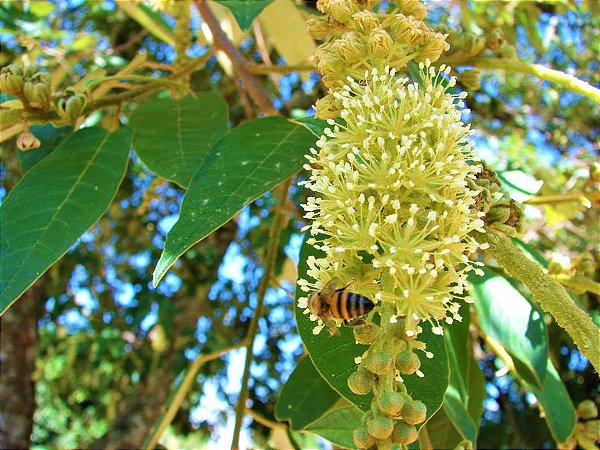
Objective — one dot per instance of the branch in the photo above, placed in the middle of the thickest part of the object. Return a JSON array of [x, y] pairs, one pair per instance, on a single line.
[[539, 71], [264, 69], [240, 66], [181, 392], [556, 198], [269, 264], [548, 294]]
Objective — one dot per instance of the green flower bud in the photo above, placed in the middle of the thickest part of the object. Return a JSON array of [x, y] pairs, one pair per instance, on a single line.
[[584, 263], [414, 412], [329, 63], [343, 10], [360, 382], [498, 214], [11, 82], [362, 438], [390, 403], [317, 27], [413, 8], [367, 333], [401, 26], [473, 45], [365, 21], [327, 107], [27, 141], [380, 44], [494, 39], [351, 47], [404, 433], [38, 94], [592, 429], [407, 362], [380, 427], [587, 409], [378, 361], [434, 47], [471, 78], [29, 72]]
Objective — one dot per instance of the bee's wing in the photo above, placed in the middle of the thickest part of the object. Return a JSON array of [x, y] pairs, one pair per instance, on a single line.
[[329, 288]]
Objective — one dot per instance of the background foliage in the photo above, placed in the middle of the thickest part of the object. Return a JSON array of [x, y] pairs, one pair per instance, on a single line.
[[95, 350]]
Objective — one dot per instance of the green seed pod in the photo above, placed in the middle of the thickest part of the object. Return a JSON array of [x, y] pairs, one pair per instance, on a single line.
[[587, 409], [380, 427], [407, 362], [390, 403], [38, 94], [414, 412], [360, 382], [385, 445], [362, 438], [378, 361], [404, 433], [367, 333]]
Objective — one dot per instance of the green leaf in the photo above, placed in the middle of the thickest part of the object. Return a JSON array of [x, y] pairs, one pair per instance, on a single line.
[[245, 11], [558, 408], [250, 160], [337, 426], [49, 137], [305, 397], [55, 202], [510, 319], [333, 356], [172, 137], [441, 431], [315, 126]]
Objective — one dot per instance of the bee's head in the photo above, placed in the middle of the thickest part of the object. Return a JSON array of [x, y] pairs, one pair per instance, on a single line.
[[314, 303]]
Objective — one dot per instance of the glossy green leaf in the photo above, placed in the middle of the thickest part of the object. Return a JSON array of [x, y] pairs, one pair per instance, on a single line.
[[49, 137], [558, 408], [333, 356], [442, 432], [337, 426], [249, 161], [245, 11], [55, 202], [507, 317], [315, 126], [172, 137], [305, 397]]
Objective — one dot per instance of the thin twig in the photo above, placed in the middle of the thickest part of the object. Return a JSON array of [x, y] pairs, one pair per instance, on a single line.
[[264, 69], [269, 264], [251, 84], [182, 391], [264, 421]]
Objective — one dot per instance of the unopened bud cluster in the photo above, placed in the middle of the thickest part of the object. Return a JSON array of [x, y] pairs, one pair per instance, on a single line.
[[356, 39], [587, 429], [394, 414]]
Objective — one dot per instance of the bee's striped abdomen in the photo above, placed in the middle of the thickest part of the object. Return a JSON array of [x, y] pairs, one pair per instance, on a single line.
[[349, 305]]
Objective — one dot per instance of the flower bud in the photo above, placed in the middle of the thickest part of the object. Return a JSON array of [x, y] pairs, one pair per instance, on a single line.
[[378, 361], [327, 107], [494, 39], [380, 427], [401, 27], [365, 21], [343, 10], [471, 78], [584, 263], [38, 94], [360, 382], [413, 8], [329, 63], [404, 433], [380, 43], [27, 141], [390, 403], [351, 47], [317, 27], [414, 412], [70, 108], [362, 438], [11, 81], [367, 333], [29, 72], [407, 362], [473, 45], [434, 47], [587, 409]]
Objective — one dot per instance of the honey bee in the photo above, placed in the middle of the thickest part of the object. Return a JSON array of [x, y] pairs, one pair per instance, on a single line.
[[331, 303]]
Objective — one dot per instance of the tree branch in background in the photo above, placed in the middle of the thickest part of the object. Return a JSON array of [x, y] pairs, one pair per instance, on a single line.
[[279, 219], [547, 293], [240, 66]]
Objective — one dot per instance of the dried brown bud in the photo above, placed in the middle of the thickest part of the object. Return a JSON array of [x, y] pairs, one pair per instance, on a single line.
[[27, 141]]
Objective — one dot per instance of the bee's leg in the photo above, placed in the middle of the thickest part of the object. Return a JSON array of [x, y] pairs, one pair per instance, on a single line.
[[331, 326], [354, 322]]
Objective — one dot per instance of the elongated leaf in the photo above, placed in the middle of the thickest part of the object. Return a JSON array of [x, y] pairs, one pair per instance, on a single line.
[[557, 406], [172, 137], [337, 426], [305, 397], [250, 160], [506, 316], [442, 432], [245, 11], [315, 126], [333, 356], [55, 202]]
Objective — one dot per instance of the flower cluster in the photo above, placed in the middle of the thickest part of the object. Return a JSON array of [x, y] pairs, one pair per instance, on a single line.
[[395, 211]]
